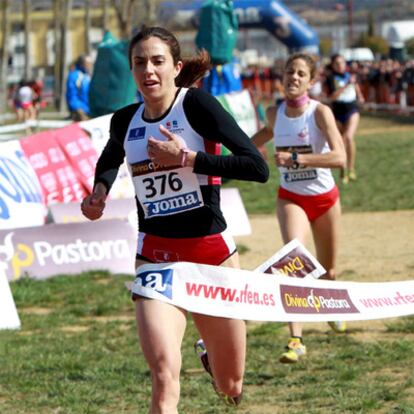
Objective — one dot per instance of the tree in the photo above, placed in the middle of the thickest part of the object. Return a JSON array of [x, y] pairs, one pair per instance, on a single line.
[[104, 6], [57, 18], [27, 29], [326, 47], [140, 11], [409, 44], [376, 43], [124, 12], [4, 55], [64, 34], [87, 26], [371, 25]]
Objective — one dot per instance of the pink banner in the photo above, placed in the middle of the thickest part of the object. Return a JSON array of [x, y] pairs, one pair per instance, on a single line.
[[80, 152], [57, 177]]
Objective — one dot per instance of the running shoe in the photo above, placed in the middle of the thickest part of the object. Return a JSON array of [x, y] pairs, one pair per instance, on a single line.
[[345, 179], [294, 351], [338, 326], [352, 175], [201, 352]]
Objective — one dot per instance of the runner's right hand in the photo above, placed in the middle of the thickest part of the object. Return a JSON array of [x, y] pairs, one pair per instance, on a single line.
[[93, 205]]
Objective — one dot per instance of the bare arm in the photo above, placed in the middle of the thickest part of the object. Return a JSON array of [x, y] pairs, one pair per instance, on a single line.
[[266, 133]]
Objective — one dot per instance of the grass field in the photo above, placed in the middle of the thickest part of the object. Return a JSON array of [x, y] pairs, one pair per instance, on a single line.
[[77, 351]]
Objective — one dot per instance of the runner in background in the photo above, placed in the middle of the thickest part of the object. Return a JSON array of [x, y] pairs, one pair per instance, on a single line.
[[23, 101], [307, 144], [172, 146], [344, 94]]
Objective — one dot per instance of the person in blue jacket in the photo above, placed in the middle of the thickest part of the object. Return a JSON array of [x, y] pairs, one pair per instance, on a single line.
[[77, 89]]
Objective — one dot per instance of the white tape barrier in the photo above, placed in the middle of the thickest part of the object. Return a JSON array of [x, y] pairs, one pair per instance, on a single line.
[[250, 295]]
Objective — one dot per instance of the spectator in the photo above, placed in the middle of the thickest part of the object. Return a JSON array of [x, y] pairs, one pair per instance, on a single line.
[[77, 89]]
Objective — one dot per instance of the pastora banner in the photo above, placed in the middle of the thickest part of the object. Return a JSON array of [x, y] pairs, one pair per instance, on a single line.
[[68, 249], [242, 294]]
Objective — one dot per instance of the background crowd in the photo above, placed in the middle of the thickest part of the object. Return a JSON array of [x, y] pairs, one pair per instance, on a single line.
[[383, 82]]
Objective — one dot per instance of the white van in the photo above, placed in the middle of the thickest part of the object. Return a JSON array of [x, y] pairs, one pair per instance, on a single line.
[[357, 53]]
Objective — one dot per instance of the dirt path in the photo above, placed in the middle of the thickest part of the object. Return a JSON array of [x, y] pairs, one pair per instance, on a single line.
[[373, 247]]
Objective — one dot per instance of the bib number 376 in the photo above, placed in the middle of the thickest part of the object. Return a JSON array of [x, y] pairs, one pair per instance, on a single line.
[[157, 185]]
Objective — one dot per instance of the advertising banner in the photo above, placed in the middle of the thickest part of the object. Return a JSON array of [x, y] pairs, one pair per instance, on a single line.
[[57, 177], [234, 212], [98, 129], [121, 208], [9, 318], [241, 294], [125, 208], [80, 152], [21, 198], [241, 106], [68, 249]]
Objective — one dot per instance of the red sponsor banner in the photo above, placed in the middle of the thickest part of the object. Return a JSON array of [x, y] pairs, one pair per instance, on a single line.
[[57, 177], [302, 299], [80, 152]]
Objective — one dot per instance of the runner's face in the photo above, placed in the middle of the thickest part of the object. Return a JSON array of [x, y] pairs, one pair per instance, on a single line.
[[339, 65], [296, 79], [153, 68]]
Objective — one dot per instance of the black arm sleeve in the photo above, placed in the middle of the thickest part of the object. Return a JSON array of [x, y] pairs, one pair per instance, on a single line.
[[330, 84], [113, 154], [210, 120]]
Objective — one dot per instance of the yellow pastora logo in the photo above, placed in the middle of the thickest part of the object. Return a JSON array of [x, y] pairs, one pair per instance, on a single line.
[[20, 257], [311, 301]]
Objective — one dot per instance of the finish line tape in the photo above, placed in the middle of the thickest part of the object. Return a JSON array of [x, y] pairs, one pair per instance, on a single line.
[[266, 294]]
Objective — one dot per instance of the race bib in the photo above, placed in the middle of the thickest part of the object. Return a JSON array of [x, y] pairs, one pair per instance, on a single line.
[[163, 191], [298, 173]]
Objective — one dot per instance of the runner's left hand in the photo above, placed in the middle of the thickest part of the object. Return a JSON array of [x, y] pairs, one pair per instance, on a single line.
[[166, 153]]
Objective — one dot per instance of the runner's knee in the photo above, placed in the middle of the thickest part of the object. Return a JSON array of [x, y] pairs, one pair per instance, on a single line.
[[231, 386]]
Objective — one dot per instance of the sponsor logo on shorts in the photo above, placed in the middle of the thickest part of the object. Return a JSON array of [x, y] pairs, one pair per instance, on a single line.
[[297, 299], [160, 281], [136, 134]]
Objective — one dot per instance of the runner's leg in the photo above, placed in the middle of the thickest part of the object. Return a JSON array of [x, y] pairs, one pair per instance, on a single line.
[[161, 329], [225, 341]]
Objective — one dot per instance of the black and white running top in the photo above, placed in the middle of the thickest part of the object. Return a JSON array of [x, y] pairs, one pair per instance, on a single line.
[[173, 201]]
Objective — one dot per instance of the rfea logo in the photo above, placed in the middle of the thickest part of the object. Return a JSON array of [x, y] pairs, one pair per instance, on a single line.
[[160, 281]]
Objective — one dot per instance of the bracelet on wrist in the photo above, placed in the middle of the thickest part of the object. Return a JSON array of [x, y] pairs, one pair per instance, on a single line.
[[184, 156]]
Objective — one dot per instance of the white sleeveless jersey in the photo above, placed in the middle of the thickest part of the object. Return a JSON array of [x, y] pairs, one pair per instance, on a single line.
[[163, 191], [302, 135]]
